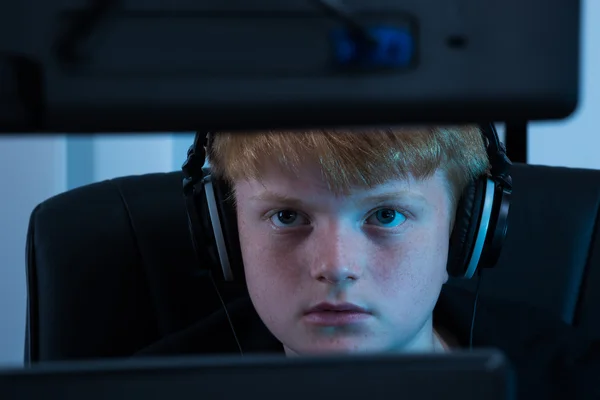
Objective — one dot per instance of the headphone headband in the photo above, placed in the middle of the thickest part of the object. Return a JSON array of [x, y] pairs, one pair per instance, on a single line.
[[480, 227], [495, 149], [496, 152], [196, 157]]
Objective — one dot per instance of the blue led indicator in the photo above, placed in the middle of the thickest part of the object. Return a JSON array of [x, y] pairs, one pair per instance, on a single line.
[[390, 47]]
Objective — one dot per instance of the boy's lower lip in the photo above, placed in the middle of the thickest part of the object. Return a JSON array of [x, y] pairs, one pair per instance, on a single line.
[[335, 318]]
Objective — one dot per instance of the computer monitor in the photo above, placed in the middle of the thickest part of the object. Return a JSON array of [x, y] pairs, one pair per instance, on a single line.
[[484, 374], [137, 65]]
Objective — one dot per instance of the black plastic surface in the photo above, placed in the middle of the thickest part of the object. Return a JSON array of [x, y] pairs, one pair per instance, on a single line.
[[461, 375], [201, 65]]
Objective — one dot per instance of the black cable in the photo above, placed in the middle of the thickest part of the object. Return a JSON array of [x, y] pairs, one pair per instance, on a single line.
[[479, 279], [339, 12], [80, 27], [237, 342]]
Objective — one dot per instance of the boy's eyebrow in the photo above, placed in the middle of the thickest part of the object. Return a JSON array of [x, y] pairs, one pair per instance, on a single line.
[[393, 196], [273, 197], [279, 198]]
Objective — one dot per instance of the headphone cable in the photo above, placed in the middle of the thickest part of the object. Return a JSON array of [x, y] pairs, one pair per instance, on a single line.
[[229, 321], [479, 279]]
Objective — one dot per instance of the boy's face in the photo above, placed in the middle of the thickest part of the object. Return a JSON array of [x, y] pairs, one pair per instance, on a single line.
[[381, 250]]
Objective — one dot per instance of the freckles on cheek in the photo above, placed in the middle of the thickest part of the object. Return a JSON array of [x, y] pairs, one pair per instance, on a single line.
[[412, 266], [391, 270], [271, 266]]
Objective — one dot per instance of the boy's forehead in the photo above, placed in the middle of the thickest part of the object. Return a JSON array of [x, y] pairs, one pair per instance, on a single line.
[[276, 183], [313, 173]]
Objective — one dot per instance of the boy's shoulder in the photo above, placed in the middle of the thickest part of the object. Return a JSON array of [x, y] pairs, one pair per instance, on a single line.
[[215, 334], [551, 358]]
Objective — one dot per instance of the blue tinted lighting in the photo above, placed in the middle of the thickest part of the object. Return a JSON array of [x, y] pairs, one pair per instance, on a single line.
[[392, 47]]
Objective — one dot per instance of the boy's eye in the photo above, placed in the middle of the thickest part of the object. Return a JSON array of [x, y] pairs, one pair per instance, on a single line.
[[287, 218], [386, 217]]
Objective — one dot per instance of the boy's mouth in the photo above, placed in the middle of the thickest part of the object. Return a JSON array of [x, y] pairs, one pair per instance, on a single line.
[[328, 314]]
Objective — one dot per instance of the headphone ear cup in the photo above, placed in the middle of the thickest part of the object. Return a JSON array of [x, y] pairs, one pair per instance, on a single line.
[[199, 225], [466, 227], [228, 216]]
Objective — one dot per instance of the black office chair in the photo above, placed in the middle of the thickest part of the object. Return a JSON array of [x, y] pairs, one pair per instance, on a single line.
[[110, 266]]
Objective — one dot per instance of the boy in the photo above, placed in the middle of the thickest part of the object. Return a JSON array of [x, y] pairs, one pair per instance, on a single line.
[[345, 238]]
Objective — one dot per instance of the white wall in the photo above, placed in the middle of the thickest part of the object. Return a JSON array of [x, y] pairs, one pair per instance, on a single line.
[[181, 144], [93, 158], [117, 155], [575, 142], [31, 170], [35, 168]]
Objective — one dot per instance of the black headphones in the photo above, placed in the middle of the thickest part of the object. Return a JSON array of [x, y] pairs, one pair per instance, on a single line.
[[476, 240]]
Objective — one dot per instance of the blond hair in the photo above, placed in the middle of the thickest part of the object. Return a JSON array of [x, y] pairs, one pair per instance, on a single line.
[[356, 157]]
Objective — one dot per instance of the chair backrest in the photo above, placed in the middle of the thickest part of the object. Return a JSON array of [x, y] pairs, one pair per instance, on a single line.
[[551, 258], [110, 266], [110, 269]]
